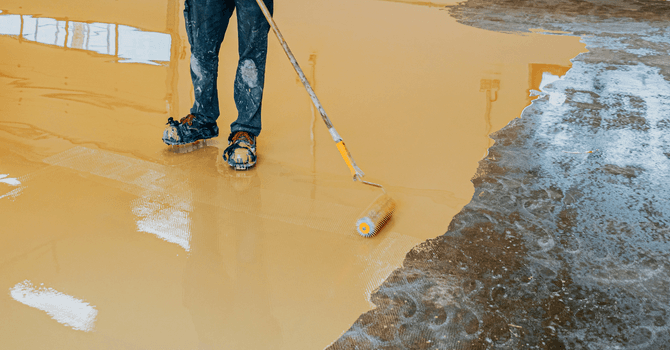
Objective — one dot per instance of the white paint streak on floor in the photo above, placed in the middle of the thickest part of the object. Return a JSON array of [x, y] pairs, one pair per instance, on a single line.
[[63, 308]]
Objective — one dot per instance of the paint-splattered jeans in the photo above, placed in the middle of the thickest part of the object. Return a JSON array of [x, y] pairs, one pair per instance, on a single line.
[[206, 23]]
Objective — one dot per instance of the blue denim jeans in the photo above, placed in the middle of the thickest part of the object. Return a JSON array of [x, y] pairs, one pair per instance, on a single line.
[[206, 24]]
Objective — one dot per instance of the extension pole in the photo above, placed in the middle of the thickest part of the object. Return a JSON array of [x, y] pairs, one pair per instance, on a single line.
[[356, 172]]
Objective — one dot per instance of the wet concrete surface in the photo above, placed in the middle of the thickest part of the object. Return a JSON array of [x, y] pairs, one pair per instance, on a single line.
[[148, 248], [565, 243]]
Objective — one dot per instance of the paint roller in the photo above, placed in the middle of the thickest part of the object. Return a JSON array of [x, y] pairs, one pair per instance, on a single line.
[[380, 211]]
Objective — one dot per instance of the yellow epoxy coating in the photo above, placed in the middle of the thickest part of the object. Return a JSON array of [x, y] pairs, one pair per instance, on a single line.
[[176, 251]]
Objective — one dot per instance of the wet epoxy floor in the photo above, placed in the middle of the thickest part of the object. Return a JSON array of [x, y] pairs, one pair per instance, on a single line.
[[149, 248]]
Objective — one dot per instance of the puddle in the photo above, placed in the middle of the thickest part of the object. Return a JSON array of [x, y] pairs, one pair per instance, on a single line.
[[178, 251]]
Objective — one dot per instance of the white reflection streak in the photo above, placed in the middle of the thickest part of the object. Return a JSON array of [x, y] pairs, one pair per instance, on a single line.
[[163, 208], [9, 180], [134, 44], [109, 33], [12, 194], [10, 24], [12, 182], [168, 223], [555, 98], [57, 32], [548, 78], [145, 47], [63, 308]]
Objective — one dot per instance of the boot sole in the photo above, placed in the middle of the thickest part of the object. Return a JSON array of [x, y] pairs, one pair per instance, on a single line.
[[241, 166], [191, 147], [174, 143]]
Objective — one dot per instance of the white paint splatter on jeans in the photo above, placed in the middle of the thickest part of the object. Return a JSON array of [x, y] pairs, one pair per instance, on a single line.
[[249, 73], [195, 67]]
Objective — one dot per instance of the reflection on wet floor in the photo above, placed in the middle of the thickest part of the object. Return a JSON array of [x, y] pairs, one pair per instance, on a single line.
[[65, 309], [126, 43], [490, 87], [175, 250]]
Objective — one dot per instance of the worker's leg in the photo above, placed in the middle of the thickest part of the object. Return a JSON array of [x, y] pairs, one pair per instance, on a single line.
[[206, 23], [253, 31]]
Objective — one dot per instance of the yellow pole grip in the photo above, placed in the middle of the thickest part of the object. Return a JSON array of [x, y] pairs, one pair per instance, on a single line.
[[346, 156]]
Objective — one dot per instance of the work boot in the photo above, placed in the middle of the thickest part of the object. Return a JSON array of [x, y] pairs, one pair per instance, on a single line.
[[189, 129], [241, 152]]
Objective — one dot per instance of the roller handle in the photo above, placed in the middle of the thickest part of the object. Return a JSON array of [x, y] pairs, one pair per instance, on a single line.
[[356, 172]]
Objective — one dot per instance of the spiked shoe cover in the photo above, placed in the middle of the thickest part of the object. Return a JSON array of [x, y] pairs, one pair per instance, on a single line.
[[241, 152], [188, 130]]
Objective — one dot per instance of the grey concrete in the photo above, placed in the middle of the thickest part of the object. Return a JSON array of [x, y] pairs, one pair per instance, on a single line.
[[566, 241]]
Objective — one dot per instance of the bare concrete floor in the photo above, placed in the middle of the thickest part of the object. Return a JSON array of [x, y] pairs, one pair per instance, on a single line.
[[110, 240]]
